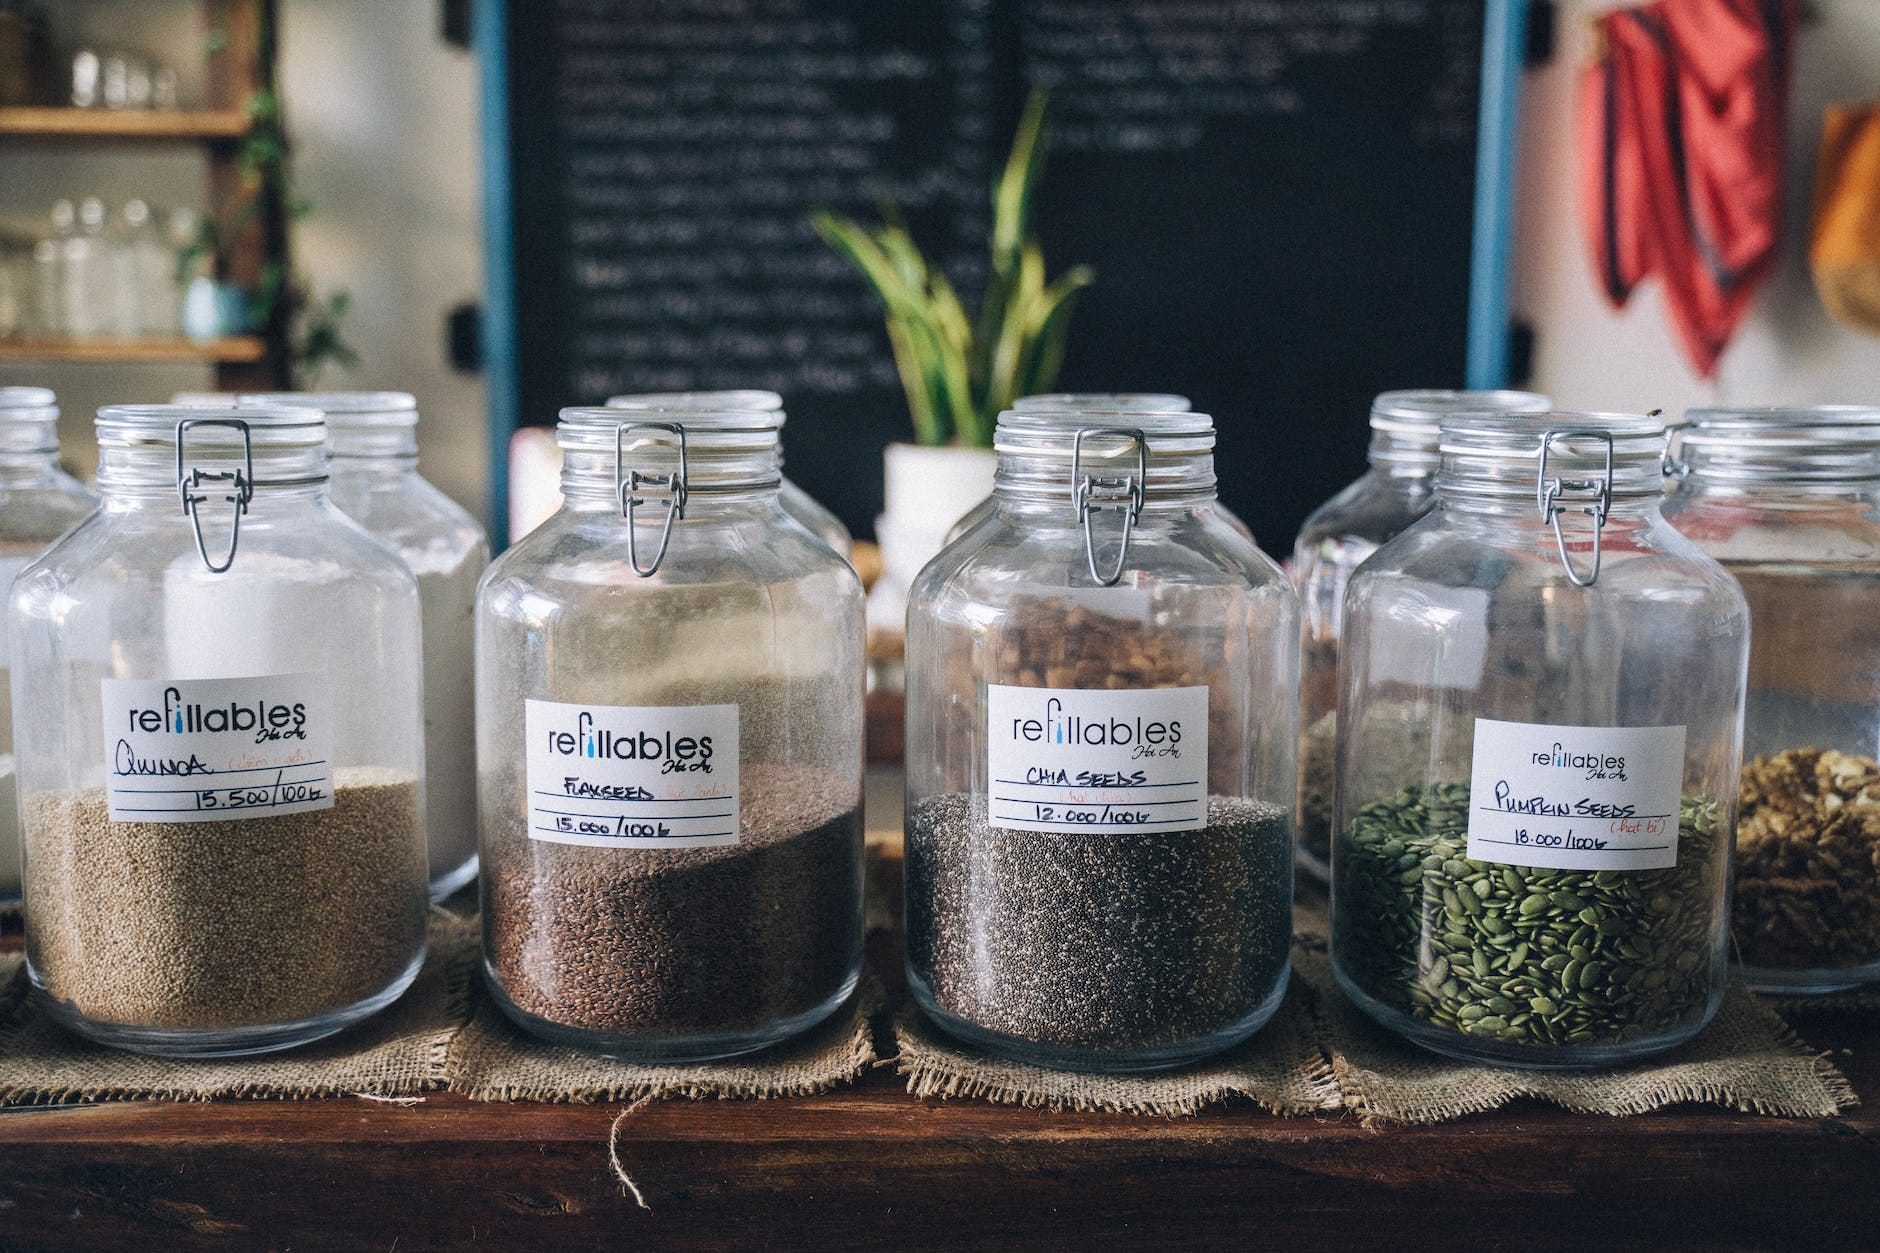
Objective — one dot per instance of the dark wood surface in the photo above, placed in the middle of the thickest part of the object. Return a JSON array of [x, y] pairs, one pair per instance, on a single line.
[[870, 1167]]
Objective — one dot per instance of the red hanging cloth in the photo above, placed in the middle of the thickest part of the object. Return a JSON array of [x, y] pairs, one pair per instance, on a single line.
[[1682, 118]]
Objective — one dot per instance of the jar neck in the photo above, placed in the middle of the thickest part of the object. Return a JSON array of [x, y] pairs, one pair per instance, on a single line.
[[709, 481], [1403, 454], [29, 469], [1165, 481], [391, 448], [147, 474]]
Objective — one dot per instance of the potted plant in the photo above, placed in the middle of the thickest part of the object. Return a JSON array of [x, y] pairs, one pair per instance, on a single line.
[[959, 373]]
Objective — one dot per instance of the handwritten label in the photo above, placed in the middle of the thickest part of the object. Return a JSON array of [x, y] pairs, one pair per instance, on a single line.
[[622, 776], [208, 750], [1076, 760], [1576, 798]]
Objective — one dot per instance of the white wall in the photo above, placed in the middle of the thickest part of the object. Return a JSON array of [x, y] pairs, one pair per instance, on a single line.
[[383, 117], [1786, 350]]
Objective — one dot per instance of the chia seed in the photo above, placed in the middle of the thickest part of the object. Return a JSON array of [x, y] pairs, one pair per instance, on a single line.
[[1099, 942]]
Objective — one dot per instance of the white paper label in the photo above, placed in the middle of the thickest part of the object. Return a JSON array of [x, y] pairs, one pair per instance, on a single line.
[[1576, 798], [1075, 759], [207, 750], [621, 776]]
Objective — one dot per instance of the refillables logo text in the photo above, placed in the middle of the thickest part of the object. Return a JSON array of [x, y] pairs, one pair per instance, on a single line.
[[1058, 726], [594, 742], [180, 717]]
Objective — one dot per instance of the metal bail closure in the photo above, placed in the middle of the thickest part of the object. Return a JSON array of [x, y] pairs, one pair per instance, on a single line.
[[241, 487], [1096, 493], [630, 489], [1548, 494]]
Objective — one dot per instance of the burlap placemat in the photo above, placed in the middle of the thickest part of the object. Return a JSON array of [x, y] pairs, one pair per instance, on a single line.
[[1747, 1060], [1281, 1069], [397, 1054], [490, 1060]]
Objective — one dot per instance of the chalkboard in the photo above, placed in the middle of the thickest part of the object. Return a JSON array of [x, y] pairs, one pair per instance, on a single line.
[[1276, 196]]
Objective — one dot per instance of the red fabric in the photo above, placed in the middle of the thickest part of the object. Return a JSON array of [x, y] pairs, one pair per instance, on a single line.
[[1682, 117]]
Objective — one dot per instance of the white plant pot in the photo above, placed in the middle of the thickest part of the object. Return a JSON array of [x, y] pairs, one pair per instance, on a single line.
[[925, 491]]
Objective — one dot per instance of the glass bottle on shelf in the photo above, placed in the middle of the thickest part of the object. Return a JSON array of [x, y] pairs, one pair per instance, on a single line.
[[1100, 737], [375, 480], [219, 744], [1393, 492], [1789, 501], [49, 320], [1540, 712], [38, 503], [153, 274], [669, 689], [86, 274], [796, 502]]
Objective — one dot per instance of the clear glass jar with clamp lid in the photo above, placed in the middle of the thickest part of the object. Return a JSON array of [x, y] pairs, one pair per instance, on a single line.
[[221, 758], [375, 480], [1789, 501], [1540, 703], [38, 503], [1101, 681], [669, 690], [1396, 489], [796, 502]]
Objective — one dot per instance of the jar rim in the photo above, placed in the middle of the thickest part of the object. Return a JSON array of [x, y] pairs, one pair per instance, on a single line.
[[1422, 409], [734, 399], [276, 426], [18, 401], [591, 419], [1473, 432], [342, 409], [1102, 402], [1054, 425]]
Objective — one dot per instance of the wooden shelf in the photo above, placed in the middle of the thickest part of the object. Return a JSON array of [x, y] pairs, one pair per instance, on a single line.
[[868, 1166], [237, 349], [123, 124]]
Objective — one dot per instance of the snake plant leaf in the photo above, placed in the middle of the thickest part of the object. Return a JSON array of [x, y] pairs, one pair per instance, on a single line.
[[959, 372], [1012, 196], [1052, 315]]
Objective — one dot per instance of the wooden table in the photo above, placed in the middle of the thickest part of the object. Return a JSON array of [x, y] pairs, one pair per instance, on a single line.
[[870, 1167]]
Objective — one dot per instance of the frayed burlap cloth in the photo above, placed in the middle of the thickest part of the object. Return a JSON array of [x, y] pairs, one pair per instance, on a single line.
[[1747, 1060], [492, 1061], [395, 1055], [1280, 1069]]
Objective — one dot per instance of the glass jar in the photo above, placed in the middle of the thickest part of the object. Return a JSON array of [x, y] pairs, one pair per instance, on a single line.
[[38, 503], [1540, 711], [221, 752], [1087, 408], [669, 678], [796, 502], [375, 480], [1395, 491], [1100, 737], [1789, 501]]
